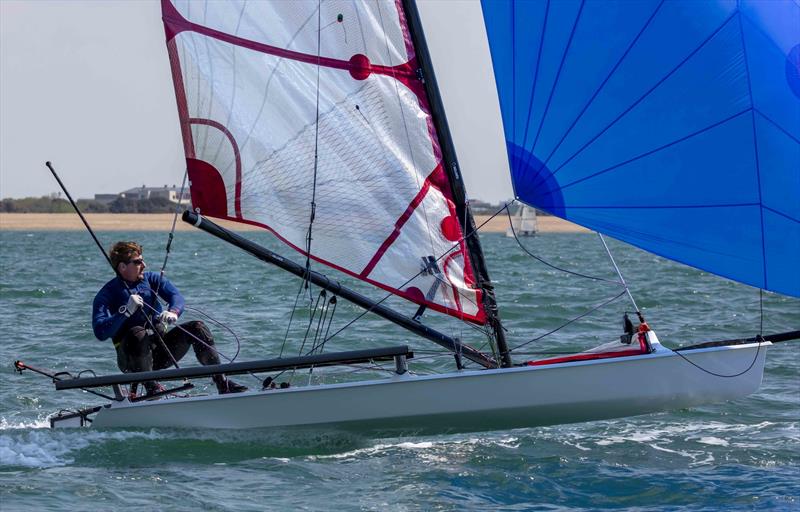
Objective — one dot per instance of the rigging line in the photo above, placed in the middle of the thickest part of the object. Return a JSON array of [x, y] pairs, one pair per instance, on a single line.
[[619, 274], [641, 98], [319, 343], [171, 236], [316, 345], [210, 347], [537, 258], [609, 301], [752, 363], [316, 155], [220, 324], [311, 317], [291, 317]]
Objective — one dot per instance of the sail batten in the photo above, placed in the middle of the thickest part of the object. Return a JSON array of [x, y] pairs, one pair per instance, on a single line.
[[669, 125], [282, 101]]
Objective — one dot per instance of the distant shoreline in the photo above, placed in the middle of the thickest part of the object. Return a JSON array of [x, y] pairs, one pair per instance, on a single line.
[[163, 222]]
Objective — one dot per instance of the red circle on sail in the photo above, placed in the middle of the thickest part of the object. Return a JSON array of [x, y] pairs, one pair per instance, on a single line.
[[360, 67], [414, 294], [451, 229]]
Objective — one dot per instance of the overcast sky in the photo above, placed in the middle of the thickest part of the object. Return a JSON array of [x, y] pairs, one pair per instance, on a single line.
[[86, 85]]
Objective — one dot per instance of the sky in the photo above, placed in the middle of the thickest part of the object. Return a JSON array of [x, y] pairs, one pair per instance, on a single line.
[[86, 85]]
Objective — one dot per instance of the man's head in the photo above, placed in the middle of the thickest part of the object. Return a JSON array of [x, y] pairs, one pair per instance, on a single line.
[[127, 259]]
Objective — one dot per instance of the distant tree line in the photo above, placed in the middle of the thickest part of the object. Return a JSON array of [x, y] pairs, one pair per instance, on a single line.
[[47, 204]]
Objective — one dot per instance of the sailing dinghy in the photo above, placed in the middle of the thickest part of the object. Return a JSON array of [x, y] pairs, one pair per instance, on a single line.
[[524, 223], [673, 126]]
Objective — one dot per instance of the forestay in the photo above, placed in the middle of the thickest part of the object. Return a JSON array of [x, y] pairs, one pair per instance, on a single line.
[[671, 125], [282, 103]]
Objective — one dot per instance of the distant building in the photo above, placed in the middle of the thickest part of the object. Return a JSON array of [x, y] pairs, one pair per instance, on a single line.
[[105, 198], [170, 193]]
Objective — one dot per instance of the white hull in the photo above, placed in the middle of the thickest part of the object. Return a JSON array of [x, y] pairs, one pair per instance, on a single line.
[[471, 400]]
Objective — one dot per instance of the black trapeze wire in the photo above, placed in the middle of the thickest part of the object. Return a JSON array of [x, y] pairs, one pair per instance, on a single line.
[[603, 304], [312, 215], [752, 363], [539, 259], [316, 153], [171, 236], [759, 338]]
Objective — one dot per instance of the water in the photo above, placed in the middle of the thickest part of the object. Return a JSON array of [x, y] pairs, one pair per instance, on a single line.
[[740, 455]]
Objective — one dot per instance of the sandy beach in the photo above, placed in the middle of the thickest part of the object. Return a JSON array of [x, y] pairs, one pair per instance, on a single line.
[[163, 222]]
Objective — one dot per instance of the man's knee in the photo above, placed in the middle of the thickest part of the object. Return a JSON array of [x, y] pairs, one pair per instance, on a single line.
[[198, 328], [136, 341]]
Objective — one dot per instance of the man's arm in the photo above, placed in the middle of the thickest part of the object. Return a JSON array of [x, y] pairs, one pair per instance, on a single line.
[[168, 292], [105, 323]]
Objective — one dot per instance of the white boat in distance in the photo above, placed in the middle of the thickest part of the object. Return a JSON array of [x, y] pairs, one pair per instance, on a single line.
[[324, 119], [524, 223]]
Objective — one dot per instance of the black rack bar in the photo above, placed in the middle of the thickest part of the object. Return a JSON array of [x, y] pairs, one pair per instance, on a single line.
[[774, 338], [264, 365]]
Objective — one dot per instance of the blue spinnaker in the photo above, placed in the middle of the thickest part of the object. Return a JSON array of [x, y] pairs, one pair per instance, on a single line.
[[670, 125]]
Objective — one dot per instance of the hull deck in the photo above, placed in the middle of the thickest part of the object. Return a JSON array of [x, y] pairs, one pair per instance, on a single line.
[[472, 400]]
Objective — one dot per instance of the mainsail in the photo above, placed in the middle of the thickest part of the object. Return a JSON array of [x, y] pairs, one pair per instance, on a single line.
[[301, 110], [671, 125]]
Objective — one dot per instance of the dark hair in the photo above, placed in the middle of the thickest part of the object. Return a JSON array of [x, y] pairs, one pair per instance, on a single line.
[[123, 252]]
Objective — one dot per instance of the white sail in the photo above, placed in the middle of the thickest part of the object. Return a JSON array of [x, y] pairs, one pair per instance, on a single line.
[[285, 103]]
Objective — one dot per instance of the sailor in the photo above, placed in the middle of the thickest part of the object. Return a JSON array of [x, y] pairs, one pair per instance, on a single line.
[[121, 312]]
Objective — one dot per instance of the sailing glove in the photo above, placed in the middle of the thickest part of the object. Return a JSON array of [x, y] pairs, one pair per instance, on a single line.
[[167, 317], [134, 303]]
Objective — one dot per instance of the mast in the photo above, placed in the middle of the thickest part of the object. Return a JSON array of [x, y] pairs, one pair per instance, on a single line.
[[323, 281], [456, 184]]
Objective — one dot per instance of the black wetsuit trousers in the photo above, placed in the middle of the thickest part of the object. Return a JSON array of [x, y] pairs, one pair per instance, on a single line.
[[140, 350]]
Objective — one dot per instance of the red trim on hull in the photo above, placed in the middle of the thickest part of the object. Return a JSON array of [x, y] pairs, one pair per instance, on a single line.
[[590, 357]]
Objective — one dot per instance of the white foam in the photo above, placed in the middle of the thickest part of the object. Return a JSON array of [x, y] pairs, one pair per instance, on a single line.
[[716, 441], [49, 448]]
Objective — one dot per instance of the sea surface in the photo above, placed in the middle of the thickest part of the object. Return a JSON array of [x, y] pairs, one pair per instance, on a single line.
[[742, 455]]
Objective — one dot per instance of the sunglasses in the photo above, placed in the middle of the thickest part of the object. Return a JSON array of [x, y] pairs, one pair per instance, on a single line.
[[137, 261]]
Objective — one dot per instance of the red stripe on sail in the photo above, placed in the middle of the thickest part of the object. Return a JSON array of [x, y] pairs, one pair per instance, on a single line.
[[180, 98], [397, 227], [479, 318], [238, 190], [175, 23]]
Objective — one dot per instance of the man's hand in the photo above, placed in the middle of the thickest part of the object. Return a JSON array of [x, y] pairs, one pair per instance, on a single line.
[[134, 303], [167, 317]]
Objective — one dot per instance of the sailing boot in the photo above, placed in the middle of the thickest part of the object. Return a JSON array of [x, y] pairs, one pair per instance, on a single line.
[[225, 386], [153, 387]]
